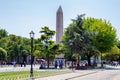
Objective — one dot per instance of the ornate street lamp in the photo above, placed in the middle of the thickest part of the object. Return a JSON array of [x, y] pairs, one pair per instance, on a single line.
[[32, 58]]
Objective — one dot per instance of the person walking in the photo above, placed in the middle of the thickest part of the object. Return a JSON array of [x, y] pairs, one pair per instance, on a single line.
[[56, 64], [61, 64]]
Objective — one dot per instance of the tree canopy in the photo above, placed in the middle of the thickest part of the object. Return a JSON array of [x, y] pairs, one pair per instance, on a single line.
[[3, 33], [3, 54], [104, 33], [89, 36]]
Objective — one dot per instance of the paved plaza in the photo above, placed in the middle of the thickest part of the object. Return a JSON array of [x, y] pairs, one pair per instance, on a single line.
[[17, 68], [108, 73]]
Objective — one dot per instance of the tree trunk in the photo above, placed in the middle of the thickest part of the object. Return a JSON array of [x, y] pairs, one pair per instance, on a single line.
[[89, 62], [48, 61], [65, 62], [101, 61], [78, 60]]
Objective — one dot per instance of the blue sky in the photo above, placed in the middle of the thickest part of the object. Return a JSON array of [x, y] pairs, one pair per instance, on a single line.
[[21, 16]]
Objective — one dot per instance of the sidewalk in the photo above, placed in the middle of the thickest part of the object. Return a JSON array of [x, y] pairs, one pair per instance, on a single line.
[[77, 73], [11, 68], [67, 76]]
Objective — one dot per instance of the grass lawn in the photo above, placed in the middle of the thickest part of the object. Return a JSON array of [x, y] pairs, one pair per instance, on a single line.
[[24, 75]]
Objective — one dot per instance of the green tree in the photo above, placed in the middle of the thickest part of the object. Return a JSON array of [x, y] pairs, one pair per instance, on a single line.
[[113, 54], [3, 39], [74, 34], [89, 50], [17, 47], [3, 54], [24, 48], [3, 43], [104, 35], [3, 33], [13, 46], [46, 38], [39, 49], [118, 44]]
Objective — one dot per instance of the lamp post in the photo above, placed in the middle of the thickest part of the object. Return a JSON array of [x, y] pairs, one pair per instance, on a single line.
[[32, 58]]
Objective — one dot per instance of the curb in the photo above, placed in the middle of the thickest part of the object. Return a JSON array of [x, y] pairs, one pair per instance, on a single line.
[[81, 75]]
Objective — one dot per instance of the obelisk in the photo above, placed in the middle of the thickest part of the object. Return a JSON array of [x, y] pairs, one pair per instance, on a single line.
[[59, 25]]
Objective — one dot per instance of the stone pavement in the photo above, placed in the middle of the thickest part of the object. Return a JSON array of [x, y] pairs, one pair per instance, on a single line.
[[117, 77], [10, 68], [67, 76], [77, 73]]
